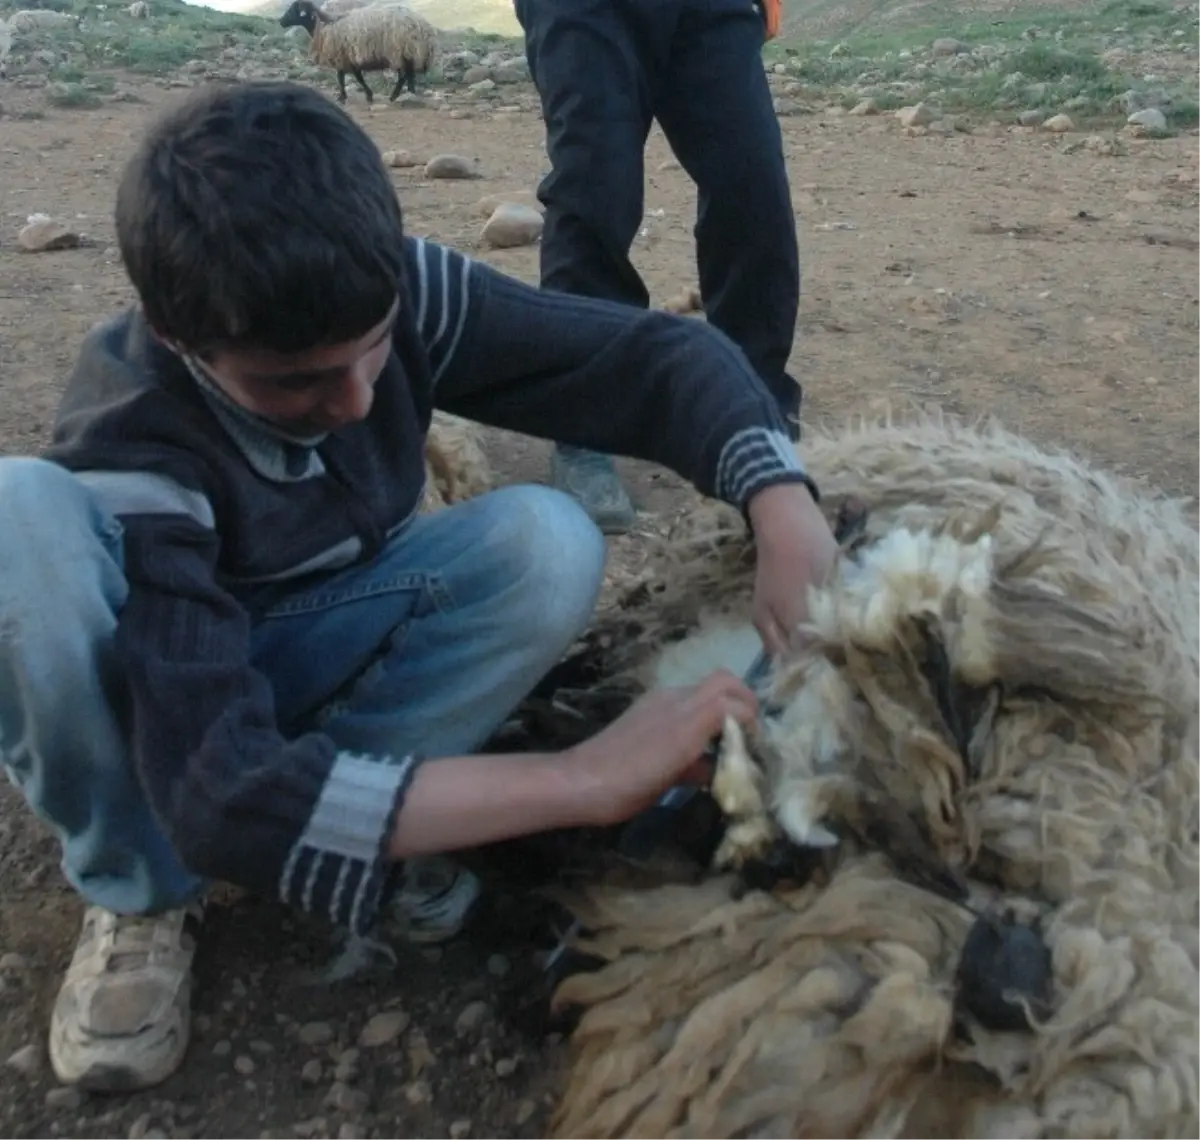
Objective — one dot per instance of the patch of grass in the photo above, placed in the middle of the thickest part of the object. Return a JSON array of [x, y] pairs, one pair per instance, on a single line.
[[1081, 61], [174, 34], [71, 95]]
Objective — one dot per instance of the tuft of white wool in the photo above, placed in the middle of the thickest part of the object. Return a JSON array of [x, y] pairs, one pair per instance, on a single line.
[[376, 38], [1058, 605]]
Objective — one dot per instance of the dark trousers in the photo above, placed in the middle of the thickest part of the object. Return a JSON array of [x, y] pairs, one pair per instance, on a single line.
[[605, 69]]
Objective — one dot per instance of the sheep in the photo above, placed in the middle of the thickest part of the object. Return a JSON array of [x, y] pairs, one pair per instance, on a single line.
[[456, 467], [139, 10], [986, 740], [381, 38]]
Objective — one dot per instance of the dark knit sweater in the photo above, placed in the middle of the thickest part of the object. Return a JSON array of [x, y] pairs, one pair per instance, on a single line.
[[214, 500]]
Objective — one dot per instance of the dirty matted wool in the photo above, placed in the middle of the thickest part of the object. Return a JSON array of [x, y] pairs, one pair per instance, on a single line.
[[994, 713]]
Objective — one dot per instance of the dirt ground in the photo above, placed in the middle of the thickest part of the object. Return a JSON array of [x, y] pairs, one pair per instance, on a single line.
[[1000, 272]]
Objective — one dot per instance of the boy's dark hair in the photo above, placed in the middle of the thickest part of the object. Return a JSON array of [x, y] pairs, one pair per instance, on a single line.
[[260, 215]]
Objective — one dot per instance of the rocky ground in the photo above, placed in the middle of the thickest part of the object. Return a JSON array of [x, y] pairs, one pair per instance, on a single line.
[[966, 255]]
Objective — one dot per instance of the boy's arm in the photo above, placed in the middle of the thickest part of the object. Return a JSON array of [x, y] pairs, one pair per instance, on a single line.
[[595, 374], [318, 827], [298, 820]]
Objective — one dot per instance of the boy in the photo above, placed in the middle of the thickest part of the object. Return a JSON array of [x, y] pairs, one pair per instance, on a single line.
[[229, 646], [605, 70]]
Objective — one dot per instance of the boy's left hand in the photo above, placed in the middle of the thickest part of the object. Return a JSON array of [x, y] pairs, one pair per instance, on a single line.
[[796, 549]]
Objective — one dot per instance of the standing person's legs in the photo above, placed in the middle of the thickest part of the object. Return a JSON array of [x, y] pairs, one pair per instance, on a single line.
[[591, 63], [715, 108], [505, 583]]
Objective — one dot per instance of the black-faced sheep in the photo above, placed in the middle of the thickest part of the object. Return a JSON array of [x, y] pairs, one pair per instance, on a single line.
[[995, 712], [377, 38]]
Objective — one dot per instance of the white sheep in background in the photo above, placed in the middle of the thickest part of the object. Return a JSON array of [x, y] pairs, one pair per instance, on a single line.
[[995, 714], [139, 10], [376, 38]]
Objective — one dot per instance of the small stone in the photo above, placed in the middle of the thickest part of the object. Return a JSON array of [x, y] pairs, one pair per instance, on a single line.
[[506, 1066], [490, 203], [316, 1033], [45, 236], [462, 113], [384, 1028], [311, 1072], [918, 115], [525, 1110], [1031, 118], [317, 1126], [459, 1129], [343, 1098], [865, 107], [26, 1060], [476, 74], [945, 45], [417, 1093], [262, 1048], [498, 965], [399, 158], [511, 225], [472, 1017], [348, 1131], [244, 1065], [483, 87], [141, 1127], [1059, 124], [12, 963], [66, 1098], [1150, 119], [449, 166], [420, 1056], [222, 1049]]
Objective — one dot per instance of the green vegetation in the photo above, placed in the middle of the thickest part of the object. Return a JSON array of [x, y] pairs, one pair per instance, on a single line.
[[1080, 59], [1084, 59]]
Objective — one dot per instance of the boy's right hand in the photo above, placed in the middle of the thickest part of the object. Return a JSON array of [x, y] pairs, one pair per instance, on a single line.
[[657, 743]]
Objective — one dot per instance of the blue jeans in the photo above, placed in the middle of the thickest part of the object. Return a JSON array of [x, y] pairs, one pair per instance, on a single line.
[[429, 647]]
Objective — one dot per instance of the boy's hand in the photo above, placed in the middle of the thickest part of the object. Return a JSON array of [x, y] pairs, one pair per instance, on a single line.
[[796, 549], [657, 743]]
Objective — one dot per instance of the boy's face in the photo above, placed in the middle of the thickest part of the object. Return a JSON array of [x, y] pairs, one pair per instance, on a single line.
[[311, 392]]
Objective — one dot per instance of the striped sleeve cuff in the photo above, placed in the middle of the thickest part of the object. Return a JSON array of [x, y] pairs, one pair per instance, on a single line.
[[339, 867], [756, 458]]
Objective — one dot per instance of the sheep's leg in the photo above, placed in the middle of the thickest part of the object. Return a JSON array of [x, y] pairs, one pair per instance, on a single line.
[[358, 75], [341, 78], [407, 74]]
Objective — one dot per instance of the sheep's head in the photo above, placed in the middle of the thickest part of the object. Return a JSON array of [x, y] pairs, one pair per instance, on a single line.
[[301, 14], [927, 658]]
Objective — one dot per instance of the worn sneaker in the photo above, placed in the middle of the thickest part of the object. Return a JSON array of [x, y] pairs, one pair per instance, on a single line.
[[435, 898], [591, 479], [123, 1014]]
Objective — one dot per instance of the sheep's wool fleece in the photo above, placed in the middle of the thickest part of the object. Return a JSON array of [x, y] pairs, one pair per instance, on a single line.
[[1058, 604], [377, 38], [456, 467]]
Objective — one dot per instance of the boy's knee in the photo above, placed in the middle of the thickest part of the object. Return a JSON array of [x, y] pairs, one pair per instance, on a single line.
[[53, 537], [555, 558], [37, 496]]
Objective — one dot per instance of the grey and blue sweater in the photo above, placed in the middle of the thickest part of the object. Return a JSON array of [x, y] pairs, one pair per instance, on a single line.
[[213, 502]]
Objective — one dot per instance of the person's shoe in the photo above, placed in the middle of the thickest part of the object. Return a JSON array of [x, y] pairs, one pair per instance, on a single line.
[[591, 479], [434, 901], [122, 1019]]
